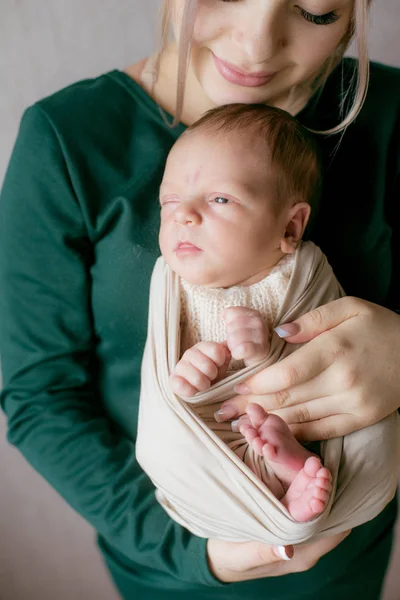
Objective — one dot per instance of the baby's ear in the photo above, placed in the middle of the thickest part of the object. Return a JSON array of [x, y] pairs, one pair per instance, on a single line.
[[297, 220]]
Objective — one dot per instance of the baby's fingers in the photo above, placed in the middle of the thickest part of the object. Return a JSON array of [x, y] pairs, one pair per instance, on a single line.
[[193, 375], [217, 353], [181, 387], [208, 364]]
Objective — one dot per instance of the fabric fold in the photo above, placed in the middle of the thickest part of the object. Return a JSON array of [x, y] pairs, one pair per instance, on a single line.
[[193, 461]]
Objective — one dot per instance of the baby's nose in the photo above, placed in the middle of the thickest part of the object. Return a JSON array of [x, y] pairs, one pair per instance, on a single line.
[[186, 216]]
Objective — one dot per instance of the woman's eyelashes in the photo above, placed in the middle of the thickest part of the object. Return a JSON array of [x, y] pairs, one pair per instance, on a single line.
[[325, 19]]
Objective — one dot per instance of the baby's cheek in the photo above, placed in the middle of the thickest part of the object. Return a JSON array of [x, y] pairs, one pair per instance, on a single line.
[[165, 240]]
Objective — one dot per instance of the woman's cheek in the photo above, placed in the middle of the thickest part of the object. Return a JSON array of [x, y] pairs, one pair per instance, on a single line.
[[325, 41], [210, 22]]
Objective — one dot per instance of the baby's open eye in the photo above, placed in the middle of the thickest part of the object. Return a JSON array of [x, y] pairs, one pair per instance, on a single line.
[[221, 200]]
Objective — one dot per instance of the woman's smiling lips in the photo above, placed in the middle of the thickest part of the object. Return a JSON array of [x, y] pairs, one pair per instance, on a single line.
[[186, 248], [239, 77]]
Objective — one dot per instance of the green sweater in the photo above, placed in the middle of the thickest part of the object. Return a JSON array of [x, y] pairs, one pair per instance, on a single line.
[[79, 220]]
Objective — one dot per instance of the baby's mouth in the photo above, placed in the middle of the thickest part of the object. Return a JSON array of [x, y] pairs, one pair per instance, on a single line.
[[186, 247]]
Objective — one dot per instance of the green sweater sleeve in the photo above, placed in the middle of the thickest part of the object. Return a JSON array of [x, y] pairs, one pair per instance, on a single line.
[[47, 344]]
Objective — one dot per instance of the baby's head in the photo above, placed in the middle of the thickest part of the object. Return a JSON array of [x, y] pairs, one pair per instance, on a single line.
[[236, 194]]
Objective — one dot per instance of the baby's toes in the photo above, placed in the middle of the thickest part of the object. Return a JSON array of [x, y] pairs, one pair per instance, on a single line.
[[317, 506], [312, 466], [320, 494], [256, 414], [249, 433], [324, 484], [269, 451], [258, 445], [241, 423], [319, 499], [254, 440], [324, 479], [324, 474]]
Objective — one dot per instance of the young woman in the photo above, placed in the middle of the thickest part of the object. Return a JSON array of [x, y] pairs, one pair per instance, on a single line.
[[79, 218]]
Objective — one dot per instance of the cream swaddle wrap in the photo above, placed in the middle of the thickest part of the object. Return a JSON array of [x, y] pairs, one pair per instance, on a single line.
[[201, 482]]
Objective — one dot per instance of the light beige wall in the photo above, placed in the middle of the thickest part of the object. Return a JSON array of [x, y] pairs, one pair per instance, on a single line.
[[46, 550]]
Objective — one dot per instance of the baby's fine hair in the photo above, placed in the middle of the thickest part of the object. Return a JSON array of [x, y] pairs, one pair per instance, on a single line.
[[291, 147]]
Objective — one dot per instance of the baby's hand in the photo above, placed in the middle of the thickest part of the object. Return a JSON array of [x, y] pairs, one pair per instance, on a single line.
[[201, 365], [246, 334]]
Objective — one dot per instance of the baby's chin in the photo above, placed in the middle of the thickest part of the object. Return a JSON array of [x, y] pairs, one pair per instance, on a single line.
[[186, 269], [196, 271], [196, 278], [203, 279]]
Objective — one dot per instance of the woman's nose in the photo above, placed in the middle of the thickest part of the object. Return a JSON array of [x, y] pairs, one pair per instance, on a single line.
[[187, 216], [261, 33]]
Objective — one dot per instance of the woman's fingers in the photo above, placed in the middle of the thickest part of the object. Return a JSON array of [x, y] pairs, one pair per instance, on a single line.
[[311, 410], [304, 364], [317, 389], [321, 319], [328, 387], [326, 428]]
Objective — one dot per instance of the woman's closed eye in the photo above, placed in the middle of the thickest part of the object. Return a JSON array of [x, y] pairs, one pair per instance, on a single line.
[[326, 19]]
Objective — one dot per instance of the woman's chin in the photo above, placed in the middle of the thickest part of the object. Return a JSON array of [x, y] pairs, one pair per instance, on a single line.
[[232, 94]]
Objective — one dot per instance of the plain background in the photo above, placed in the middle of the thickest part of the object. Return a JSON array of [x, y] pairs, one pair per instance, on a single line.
[[47, 551]]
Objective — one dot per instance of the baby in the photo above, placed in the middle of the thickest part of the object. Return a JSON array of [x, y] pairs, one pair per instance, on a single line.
[[235, 200]]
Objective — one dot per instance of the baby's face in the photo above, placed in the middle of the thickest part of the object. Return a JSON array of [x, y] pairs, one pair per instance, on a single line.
[[220, 224]]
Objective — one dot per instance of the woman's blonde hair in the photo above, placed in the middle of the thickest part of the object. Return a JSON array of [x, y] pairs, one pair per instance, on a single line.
[[357, 89]]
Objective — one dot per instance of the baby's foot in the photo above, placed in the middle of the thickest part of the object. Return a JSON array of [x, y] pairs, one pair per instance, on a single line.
[[270, 437], [309, 492], [307, 488]]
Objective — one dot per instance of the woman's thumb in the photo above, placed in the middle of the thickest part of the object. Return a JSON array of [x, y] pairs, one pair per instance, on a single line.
[[283, 552], [262, 554]]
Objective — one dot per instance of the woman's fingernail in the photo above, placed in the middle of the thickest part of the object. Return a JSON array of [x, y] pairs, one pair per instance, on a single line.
[[283, 553], [234, 426], [287, 330], [226, 413], [242, 388]]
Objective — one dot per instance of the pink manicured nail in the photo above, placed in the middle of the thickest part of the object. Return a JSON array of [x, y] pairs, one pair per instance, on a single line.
[[234, 426], [242, 388], [287, 330], [226, 413]]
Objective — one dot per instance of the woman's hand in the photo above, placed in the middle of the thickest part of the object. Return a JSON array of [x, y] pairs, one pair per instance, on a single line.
[[234, 561], [345, 378]]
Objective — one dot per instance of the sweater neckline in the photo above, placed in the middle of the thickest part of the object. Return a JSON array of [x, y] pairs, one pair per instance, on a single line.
[[139, 93]]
